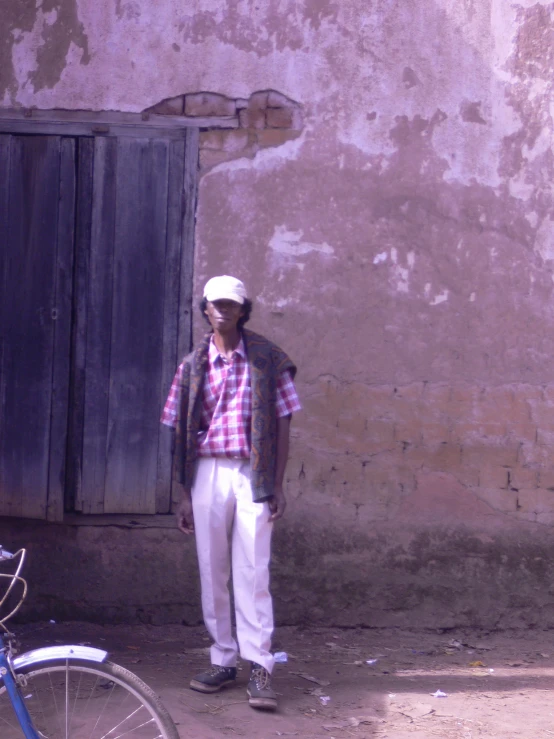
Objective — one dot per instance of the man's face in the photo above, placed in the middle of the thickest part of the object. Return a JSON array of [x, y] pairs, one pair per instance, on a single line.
[[224, 315]]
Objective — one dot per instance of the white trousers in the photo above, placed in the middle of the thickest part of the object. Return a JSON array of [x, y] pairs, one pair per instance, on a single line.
[[233, 532]]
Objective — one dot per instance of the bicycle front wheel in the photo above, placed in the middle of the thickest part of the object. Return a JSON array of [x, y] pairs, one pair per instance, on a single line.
[[77, 699]]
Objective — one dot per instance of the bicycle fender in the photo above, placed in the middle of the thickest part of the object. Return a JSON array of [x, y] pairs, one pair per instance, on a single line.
[[62, 652]]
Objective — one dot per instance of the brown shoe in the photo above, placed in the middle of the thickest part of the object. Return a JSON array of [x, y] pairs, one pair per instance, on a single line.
[[260, 692]]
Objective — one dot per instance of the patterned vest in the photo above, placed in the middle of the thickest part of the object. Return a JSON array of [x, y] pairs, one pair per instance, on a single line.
[[266, 362]]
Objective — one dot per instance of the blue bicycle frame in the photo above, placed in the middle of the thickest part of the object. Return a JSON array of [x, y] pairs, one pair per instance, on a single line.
[[37, 658], [15, 695]]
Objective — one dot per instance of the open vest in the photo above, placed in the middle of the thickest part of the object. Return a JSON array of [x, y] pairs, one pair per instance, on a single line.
[[267, 361]]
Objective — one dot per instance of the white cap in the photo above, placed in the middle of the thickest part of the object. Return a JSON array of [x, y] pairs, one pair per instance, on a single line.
[[225, 288]]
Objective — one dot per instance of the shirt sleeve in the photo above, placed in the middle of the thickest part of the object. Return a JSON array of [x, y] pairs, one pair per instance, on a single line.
[[287, 398], [169, 415]]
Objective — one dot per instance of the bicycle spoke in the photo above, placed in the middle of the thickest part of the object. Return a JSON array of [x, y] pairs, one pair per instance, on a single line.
[[109, 735], [77, 699], [7, 723], [104, 707]]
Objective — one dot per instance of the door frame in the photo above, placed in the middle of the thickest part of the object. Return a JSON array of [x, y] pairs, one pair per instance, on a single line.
[[104, 123], [141, 125]]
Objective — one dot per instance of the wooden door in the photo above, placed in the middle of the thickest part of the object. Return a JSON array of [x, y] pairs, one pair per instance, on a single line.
[[96, 242], [37, 204], [134, 303]]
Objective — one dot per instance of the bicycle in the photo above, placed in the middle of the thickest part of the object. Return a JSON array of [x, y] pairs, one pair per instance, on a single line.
[[71, 692]]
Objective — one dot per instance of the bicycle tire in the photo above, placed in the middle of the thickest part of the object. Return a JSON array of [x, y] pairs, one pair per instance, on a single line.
[[80, 699]]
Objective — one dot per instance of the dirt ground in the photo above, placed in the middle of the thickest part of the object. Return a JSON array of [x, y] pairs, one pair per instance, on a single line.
[[345, 683]]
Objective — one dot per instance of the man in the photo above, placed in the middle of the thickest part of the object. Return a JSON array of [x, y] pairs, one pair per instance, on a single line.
[[231, 403]]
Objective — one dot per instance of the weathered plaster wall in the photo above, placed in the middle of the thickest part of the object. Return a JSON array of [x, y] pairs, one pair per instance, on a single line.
[[401, 249]]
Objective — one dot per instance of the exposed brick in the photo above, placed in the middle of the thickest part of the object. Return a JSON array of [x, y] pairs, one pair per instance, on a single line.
[[327, 394], [297, 119], [447, 458], [522, 431], [500, 397], [352, 422], [546, 479], [493, 477], [523, 478], [210, 158], [377, 437], [483, 455], [465, 393], [542, 413], [360, 395], [462, 402], [413, 391], [405, 409], [435, 433], [444, 458], [472, 430], [468, 476], [498, 499], [171, 106], [438, 396], [530, 392], [279, 118], [536, 505], [249, 118], [241, 103], [408, 432], [380, 431], [533, 455], [275, 136], [521, 409], [495, 409], [386, 483], [548, 394], [379, 399], [211, 140], [278, 100], [209, 103], [429, 415], [258, 100], [223, 140], [545, 516], [545, 438]]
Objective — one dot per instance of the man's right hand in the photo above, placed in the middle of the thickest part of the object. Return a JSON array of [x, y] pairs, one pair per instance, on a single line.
[[185, 519]]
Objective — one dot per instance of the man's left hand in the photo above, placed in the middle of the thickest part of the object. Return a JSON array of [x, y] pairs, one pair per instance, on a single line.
[[277, 505]]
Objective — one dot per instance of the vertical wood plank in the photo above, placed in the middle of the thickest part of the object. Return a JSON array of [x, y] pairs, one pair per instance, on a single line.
[[99, 326], [172, 278], [61, 317], [190, 193], [137, 325], [28, 298], [5, 150], [185, 307], [73, 478]]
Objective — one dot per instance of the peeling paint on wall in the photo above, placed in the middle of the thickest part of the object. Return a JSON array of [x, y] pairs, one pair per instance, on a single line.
[[291, 243], [400, 247], [544, 239], [36, 43], [440, 298]]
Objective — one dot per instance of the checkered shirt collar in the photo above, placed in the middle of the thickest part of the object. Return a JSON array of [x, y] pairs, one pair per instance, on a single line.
[[214, 354]]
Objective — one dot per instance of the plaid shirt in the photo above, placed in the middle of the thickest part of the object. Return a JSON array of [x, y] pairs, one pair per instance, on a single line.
[[226, 411]]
